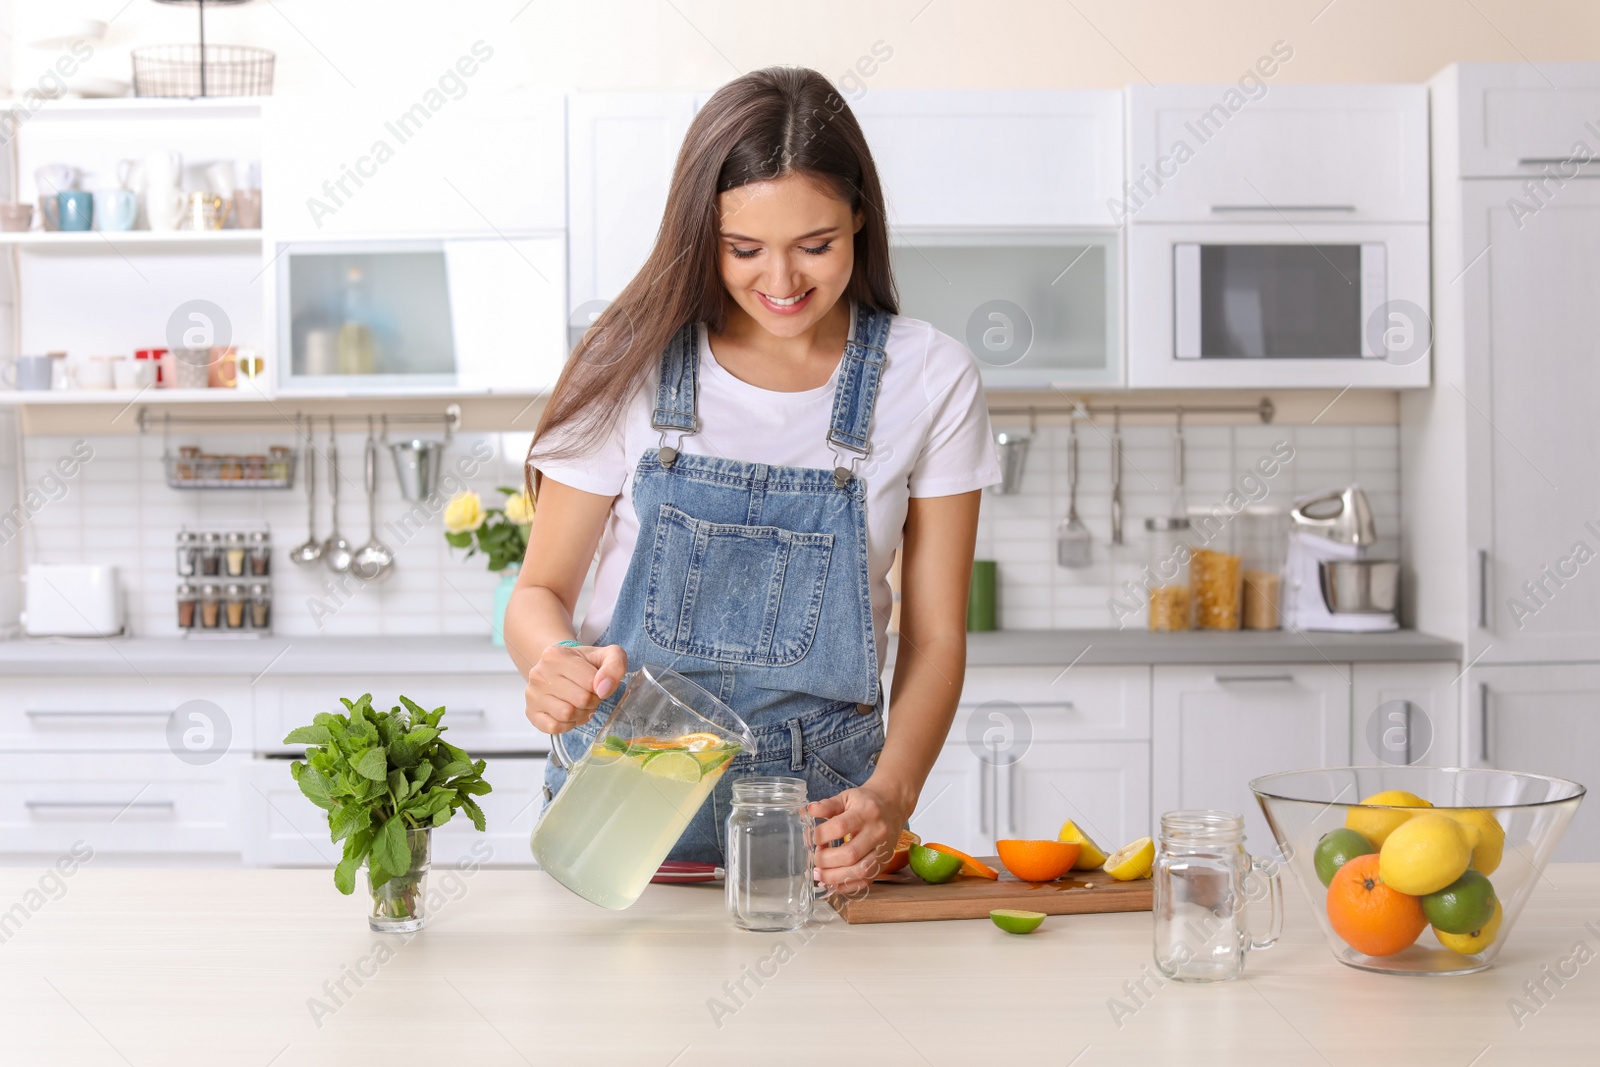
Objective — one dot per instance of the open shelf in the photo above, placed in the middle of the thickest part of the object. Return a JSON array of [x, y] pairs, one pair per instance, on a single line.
[[81, 240]]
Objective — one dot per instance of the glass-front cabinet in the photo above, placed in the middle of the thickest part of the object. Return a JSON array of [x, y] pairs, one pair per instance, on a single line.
[[418, 314], [1039, 310]]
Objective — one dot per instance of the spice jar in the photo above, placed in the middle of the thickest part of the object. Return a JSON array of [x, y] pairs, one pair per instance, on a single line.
[[260, 606], [1263, 541], [769, 885], [260, 553], [1215, 582], [278, 463], [1167, 572], [233, 553], [187, 466], [231, 468], [210, 555], [233, 599], [255, 468], [188, 546], [188, 602], [210, 607]]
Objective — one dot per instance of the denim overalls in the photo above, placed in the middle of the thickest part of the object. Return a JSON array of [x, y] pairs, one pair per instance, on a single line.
[[751, 580]]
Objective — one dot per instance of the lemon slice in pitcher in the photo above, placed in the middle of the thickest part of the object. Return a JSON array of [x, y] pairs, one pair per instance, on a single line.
[[696, 742], [673, 764]]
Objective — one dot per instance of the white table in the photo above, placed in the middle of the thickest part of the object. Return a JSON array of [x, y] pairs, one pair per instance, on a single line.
[[222, 967]]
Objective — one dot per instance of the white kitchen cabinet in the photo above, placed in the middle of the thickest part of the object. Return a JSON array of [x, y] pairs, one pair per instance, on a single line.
[[1199, 153], [995, 158], [281, 828], [1104, 787], [489, 161], [1405, 713], [1542, 720], [1215, 728], [44, 714], [958, 801], [1522, 119], [621, 148]]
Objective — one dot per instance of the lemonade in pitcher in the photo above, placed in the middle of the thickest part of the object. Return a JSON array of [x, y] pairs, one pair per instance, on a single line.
[[624, 806]]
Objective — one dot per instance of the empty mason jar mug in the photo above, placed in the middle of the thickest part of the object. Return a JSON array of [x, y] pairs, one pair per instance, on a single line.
[[770, 856], [1203, 880]]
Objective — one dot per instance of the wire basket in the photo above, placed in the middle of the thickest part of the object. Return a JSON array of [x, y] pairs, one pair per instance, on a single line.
[[177, 70]]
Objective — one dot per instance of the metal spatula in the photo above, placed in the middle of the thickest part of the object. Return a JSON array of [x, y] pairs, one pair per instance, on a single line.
[[1074, 543]]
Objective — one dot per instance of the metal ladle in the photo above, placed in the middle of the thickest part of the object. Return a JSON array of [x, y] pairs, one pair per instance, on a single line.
[[336, 550], [374, 560], [310, 550], [1074, 542]]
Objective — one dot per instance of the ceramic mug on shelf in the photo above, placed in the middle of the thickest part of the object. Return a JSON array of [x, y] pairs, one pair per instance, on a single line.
[[47, 212], [15, 218], [247, 209], [134, 373], [53, 178], [158, 358], [95, 373], [29, 374], [203, 211], [191, 368], [75, 210], [116, 209]]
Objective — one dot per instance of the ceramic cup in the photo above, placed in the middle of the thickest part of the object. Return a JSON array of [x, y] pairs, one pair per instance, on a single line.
[[247, 209], [191, 368], [16, 217], [203, 211], [47, 212], [95, 373], [53, 178], [133, 373], [115, 209], [29, 373], [75, 210]]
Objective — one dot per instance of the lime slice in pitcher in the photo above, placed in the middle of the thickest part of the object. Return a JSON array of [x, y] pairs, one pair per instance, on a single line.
[[673, 764]]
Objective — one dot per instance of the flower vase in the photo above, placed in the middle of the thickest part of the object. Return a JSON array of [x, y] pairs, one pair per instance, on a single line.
[[502, 598]]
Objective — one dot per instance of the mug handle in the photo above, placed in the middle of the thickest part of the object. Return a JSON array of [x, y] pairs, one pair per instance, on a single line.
[[8, 374], [1275, 896]]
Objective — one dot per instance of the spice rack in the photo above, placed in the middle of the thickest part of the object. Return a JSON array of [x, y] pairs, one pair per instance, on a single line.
[[224, 582], [193, 469]]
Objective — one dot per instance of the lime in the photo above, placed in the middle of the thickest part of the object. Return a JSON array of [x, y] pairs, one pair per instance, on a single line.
[[1475, 941], [1461, 907], [673, 764], [1377, 823], [1016, 922], [1337, 848], [1424, 854], [711, 759], [1132, 860], [932, 866], [1092, 855]]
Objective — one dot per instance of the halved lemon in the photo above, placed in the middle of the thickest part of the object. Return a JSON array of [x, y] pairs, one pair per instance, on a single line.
[[1132, 860], [1091, 856], [674, 765]]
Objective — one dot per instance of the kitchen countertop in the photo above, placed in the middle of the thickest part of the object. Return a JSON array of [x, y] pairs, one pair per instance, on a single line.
[[208, 967], [465, 654]]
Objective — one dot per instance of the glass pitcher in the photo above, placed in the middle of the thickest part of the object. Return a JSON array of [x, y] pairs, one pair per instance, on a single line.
[[629, 798], [1203, 879]]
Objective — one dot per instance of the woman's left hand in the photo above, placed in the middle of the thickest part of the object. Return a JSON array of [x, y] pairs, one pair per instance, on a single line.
[[872, 817]]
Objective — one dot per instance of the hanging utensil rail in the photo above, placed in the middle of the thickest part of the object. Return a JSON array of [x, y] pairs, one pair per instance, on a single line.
[[1264, 409], [449, 419]]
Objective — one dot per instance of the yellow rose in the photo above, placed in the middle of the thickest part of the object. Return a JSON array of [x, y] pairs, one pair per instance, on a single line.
[[464, 513], [519, 508]]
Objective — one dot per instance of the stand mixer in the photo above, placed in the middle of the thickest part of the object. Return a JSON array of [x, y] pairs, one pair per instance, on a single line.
[[1333, 585]]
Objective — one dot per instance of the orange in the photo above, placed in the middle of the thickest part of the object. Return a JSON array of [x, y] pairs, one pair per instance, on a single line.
[[1371, 917], [1038, 861], [968, 864], [902, 852]]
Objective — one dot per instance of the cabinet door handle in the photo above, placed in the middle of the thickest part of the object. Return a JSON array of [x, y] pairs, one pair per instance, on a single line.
[[1227, 209], [1534, 161], [1254, 679], [1013, 818], [63, 713], [84, 805], [1483, 722], [986, 796], [1483, 589]]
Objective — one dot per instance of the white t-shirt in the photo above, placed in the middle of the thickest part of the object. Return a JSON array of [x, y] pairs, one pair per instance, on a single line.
[[930, 436]]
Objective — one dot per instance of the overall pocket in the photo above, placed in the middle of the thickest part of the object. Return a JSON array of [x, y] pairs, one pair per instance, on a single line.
[[736, 594]]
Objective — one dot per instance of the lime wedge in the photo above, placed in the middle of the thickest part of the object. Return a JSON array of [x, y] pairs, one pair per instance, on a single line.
[[1016, 922], [713, 759], [673, 764]]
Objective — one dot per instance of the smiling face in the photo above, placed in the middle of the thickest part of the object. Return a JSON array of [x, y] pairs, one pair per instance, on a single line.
[[787, 251]]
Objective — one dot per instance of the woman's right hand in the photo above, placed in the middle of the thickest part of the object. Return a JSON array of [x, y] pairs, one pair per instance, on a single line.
[[567, 684]]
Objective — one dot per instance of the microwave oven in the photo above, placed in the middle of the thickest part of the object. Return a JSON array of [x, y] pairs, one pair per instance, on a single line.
[[1279, 305]]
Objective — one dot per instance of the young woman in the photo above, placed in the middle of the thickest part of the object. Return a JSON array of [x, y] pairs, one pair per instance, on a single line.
[[748, 434]]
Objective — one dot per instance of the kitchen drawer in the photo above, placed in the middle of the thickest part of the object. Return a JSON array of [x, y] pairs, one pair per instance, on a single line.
[[1055, 703], [69, 714], [1515, 118], [120, 804], [485, 712], [281, 828]]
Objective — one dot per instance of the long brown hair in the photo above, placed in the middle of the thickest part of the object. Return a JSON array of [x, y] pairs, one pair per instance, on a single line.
[[764, 125]]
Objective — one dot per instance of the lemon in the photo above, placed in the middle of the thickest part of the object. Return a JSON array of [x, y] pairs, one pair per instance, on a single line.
[[1470, 944], [1091, 855], [1491, 840], [1424, 854], [673, 764], [1376, 824], [1016, 922], [1132, 860]]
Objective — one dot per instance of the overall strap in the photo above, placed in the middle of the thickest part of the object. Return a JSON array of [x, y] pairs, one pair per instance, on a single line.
[[677, 395], [857, 389]]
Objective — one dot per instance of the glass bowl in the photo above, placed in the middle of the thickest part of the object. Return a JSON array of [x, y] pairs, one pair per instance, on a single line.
[[1302, 807]]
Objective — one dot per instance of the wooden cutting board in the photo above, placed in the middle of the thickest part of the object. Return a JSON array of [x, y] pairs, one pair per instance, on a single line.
[[903, 897]]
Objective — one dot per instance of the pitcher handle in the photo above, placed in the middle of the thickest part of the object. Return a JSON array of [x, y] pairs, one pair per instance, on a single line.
[[558, 752], [1275, 896]]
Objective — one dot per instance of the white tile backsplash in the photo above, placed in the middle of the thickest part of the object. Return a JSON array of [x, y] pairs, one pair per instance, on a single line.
[[117, 508], [1019, 531]]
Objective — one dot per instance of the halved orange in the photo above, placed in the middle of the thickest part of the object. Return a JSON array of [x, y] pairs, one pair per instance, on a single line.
[[902, 852], [698, 741], [1038, 861], [969, 865]]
